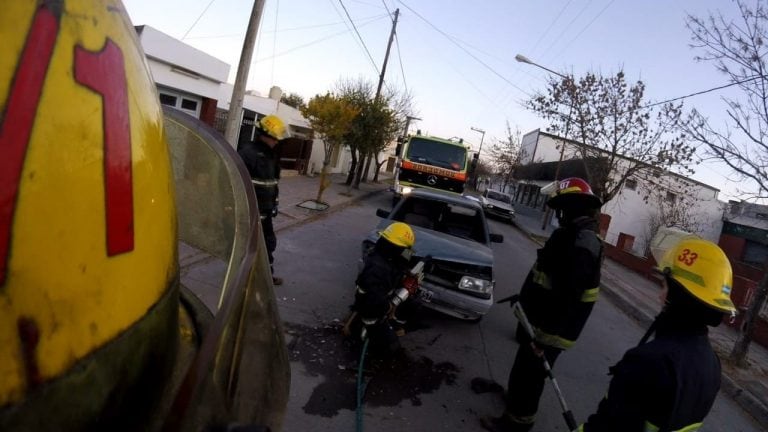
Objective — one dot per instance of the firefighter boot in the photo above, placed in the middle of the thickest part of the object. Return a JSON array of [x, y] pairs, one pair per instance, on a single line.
[[504, 424]]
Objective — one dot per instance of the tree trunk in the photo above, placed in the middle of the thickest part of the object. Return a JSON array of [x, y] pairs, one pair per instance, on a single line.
[[367, 168], [359, 173], [378, 168], [324, 180], [741, 347], [351, 173]]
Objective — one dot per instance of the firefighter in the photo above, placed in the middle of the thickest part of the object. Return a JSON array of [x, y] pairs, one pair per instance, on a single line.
[[557, 295], [263, 165], [670, 383], [377, 284]]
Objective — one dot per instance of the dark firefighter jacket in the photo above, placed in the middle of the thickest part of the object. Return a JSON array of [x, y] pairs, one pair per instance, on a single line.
[[377, 281], [562, 287], [263, 165], [668, 384]]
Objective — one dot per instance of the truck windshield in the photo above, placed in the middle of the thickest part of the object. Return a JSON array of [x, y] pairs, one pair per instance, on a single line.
[[436, 153]]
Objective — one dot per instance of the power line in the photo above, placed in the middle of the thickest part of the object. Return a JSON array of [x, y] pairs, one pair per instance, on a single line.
[[198, 19], [316, 41], [551, 24], [565, 29], [571, 40], [282, 30], [703, 91], [373, 62], [274, 44], [400, 59], [465, 50]]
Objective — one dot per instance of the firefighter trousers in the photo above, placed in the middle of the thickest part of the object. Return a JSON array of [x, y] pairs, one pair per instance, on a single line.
[[526, 383]]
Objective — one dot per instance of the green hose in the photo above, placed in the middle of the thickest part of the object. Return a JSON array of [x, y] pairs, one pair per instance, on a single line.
[[360, 388]]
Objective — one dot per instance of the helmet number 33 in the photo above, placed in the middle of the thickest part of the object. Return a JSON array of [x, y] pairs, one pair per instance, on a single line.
[[102, 72], [687, 257]]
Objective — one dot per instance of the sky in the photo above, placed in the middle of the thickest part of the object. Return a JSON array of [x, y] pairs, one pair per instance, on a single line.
[[458, 58]]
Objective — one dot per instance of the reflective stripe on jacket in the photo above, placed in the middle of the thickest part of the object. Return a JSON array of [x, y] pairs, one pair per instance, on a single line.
[[562, 287], [263, 165]]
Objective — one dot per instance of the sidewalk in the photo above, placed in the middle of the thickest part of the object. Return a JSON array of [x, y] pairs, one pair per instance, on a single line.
[[295, 189], [638, 296]]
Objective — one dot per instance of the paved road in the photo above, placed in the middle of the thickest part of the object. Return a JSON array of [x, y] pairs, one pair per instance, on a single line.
[[430, 390]]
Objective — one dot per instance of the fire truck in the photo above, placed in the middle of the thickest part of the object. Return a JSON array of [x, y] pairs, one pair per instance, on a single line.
[[430, 162]]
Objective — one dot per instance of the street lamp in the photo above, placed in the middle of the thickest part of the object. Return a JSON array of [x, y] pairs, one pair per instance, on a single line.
[[477, 156], [523, 59]]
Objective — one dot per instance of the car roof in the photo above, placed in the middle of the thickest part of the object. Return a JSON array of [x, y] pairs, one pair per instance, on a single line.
[[444, 196]]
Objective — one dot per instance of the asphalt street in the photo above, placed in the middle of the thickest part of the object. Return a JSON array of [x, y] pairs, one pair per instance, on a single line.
[[430, 387]]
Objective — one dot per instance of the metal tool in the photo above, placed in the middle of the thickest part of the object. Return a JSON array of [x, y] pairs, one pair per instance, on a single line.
[[517, 309]]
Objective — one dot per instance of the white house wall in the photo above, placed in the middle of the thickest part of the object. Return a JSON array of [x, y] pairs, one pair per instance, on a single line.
[[160, 46], [629, 212]]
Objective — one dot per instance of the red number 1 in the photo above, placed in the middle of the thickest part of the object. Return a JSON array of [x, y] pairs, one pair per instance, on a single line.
[[104, 73]]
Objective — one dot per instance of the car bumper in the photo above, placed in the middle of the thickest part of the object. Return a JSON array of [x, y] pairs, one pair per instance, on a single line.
[[453, 303], [499, 213]]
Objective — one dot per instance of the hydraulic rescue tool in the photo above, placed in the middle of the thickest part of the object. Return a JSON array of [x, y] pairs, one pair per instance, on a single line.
[[517, 309]]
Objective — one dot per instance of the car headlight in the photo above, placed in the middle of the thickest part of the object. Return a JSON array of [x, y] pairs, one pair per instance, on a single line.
[[469, 283], [490, 206], [407, 190]]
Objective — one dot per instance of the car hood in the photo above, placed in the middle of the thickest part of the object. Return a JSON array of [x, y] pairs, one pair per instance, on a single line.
[[445, 247], [496, 203]]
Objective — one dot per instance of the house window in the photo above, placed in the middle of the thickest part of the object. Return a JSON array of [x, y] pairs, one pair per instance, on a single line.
[[167, 99], [671, 197], [630, 184], [188, 104], [755, 253]]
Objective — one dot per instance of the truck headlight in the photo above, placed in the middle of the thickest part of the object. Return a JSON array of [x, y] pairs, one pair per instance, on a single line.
[[469, 283]]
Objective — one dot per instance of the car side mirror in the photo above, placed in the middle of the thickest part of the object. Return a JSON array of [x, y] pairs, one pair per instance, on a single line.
[[382, 213], [497, 238]]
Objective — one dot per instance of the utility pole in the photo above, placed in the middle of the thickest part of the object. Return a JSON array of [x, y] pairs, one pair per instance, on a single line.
[[366, 165], [238, 92], [386, 55]]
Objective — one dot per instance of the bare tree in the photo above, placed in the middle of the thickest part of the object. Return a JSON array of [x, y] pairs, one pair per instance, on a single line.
[[505, 155], [674, 209], [607, 120], [737, 48]]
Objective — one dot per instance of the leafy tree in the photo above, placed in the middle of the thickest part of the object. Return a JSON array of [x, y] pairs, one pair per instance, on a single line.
[[293, 100], [505, 155], [606, 119], [377, 124], [330, 117], [737, 48]]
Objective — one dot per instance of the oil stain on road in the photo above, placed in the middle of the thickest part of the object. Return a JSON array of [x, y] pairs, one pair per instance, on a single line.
[[326, 353]]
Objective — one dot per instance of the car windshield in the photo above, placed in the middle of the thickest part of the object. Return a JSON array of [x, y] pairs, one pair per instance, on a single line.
[[436, 153], [499, 196], [458, 220]]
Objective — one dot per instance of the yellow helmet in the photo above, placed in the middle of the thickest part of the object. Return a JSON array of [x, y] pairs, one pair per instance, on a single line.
[[88, 247], [703, 269], [399, 234], [273, 126]]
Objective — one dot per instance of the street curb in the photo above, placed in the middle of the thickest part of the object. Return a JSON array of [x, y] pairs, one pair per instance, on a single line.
[[746, 400], [330, 210]]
